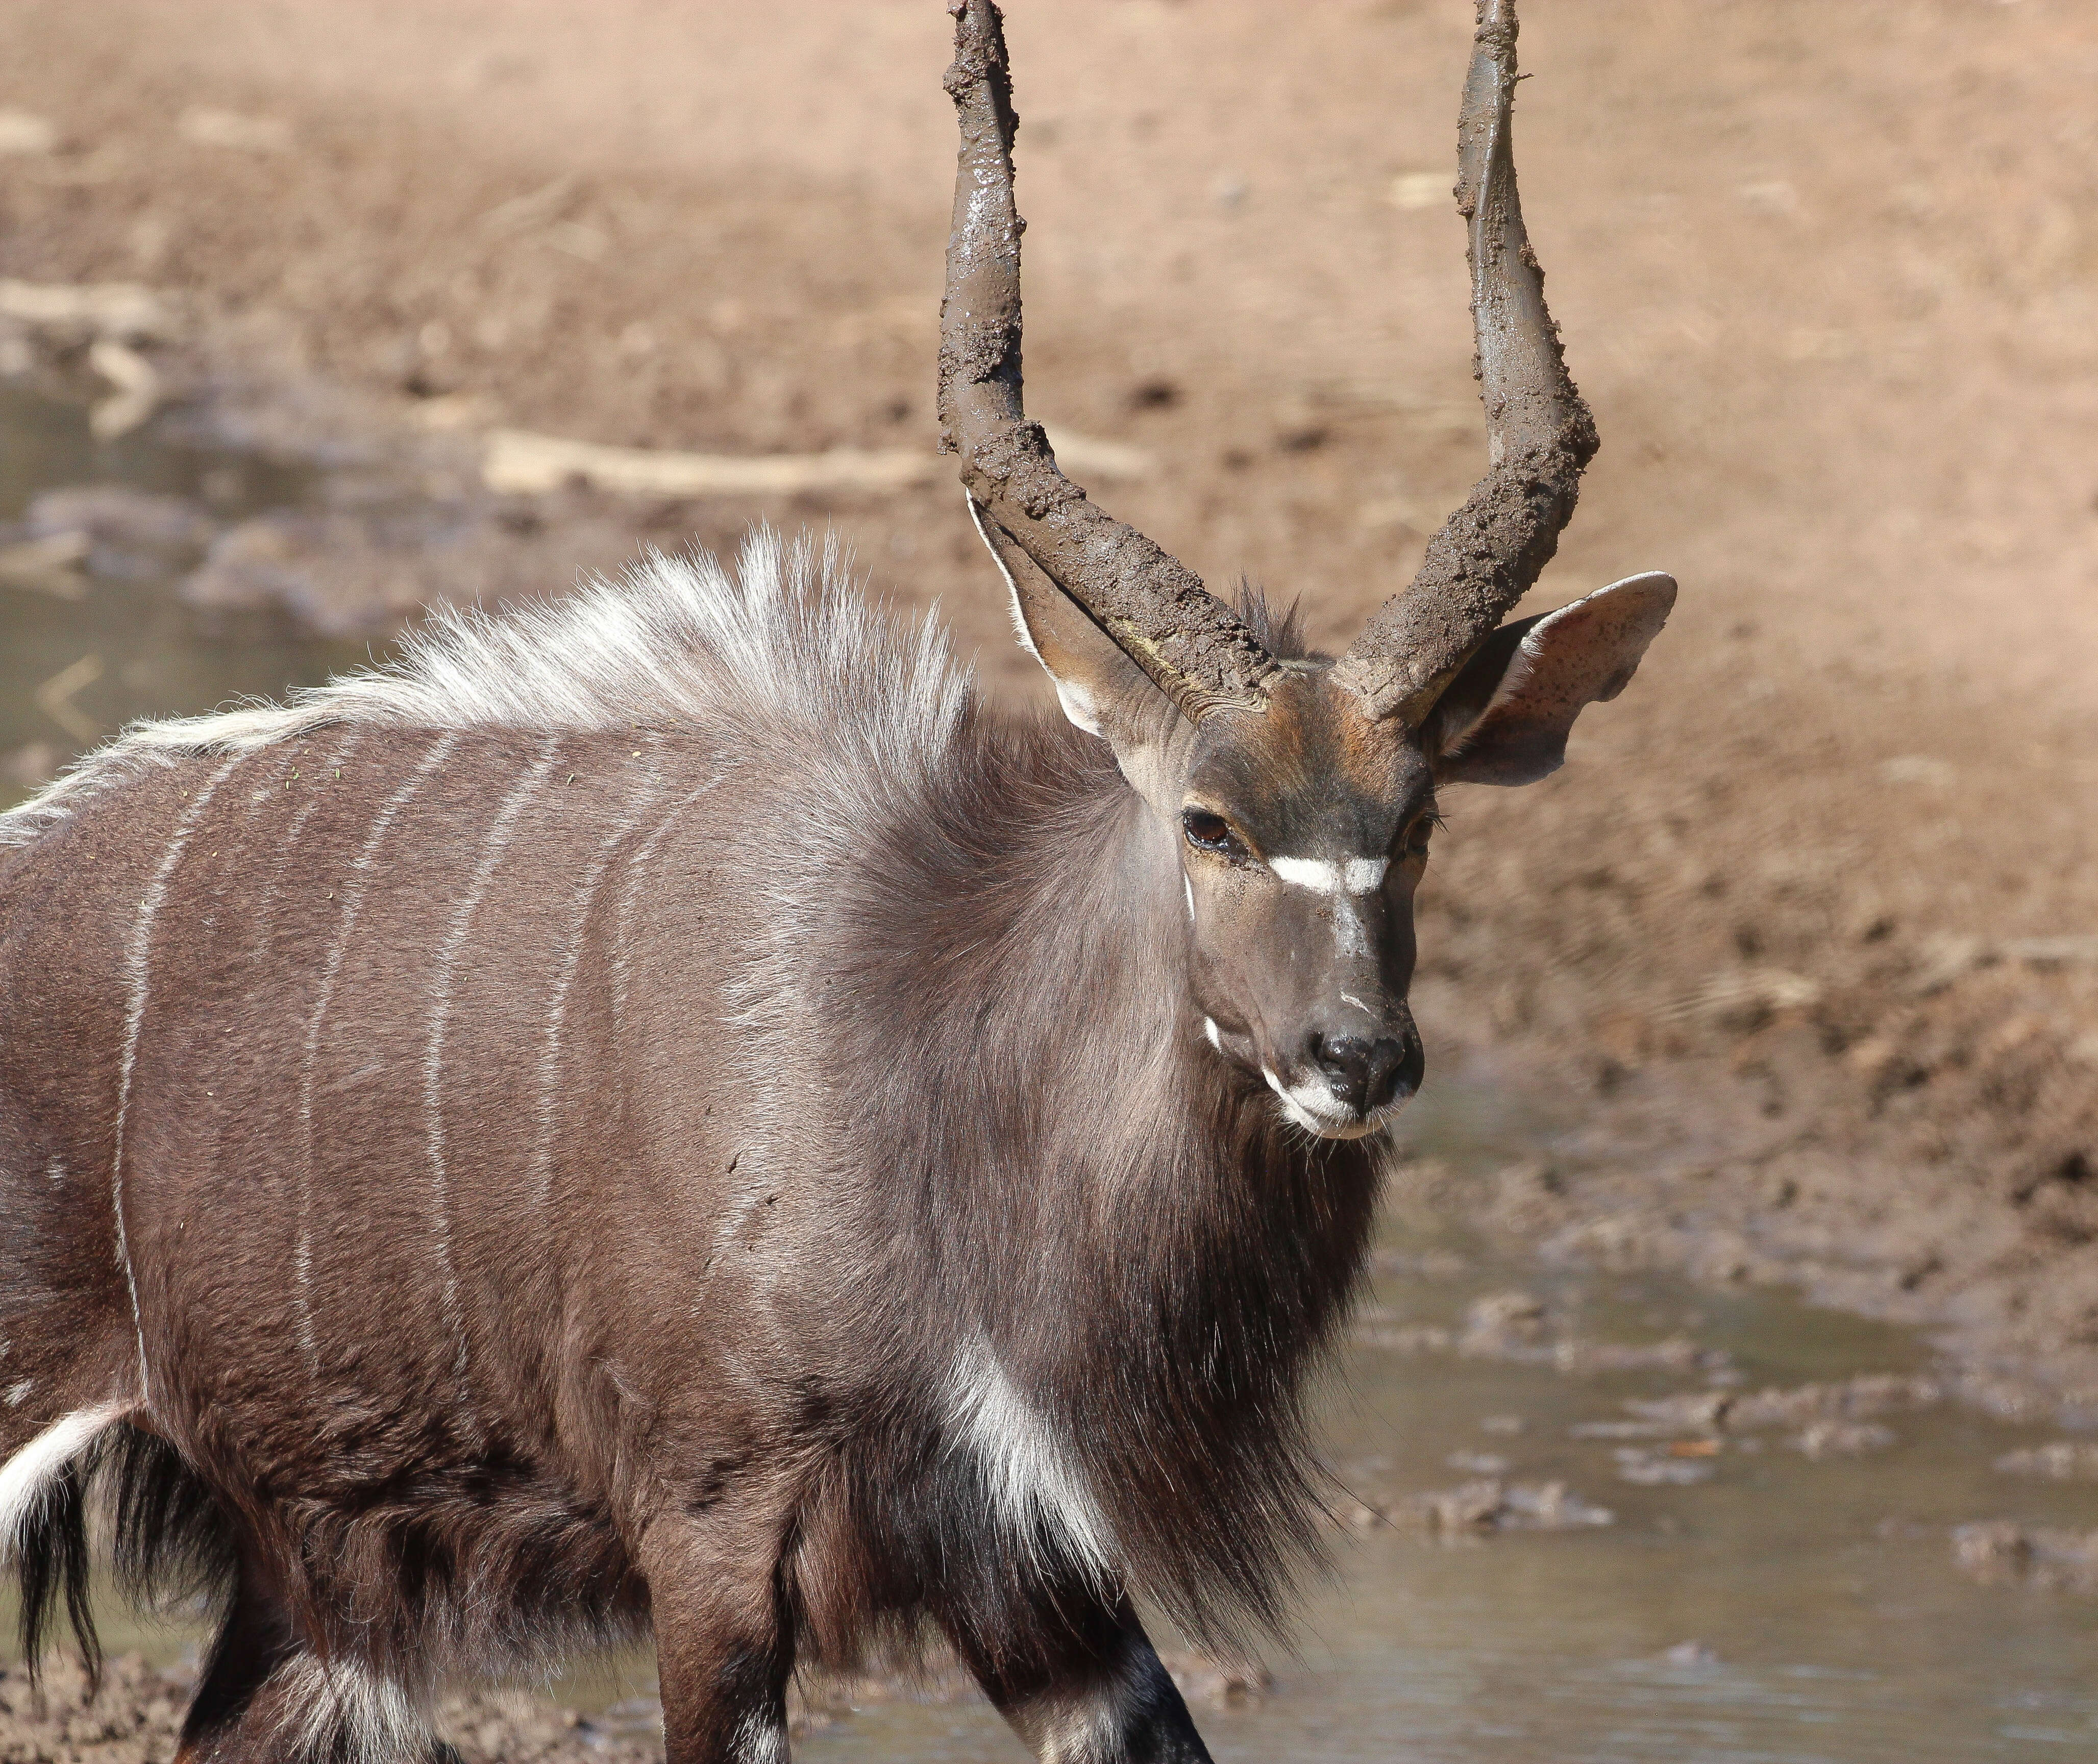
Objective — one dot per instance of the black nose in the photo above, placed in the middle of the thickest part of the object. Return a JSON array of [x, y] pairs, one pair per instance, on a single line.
[[1366, 1075]]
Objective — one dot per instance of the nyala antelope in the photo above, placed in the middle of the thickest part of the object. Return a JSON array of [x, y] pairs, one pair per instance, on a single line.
[[662, 1113]]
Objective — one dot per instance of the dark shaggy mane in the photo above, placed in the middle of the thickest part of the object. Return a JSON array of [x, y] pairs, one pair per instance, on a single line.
[[1204, 1300]]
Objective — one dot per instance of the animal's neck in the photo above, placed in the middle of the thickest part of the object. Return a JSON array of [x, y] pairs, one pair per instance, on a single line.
[[1109, 1243], [1042, 1088], [1051, 954]]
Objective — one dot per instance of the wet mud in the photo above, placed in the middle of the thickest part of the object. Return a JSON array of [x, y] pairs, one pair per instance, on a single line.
[[136, 1718], [1573, 1511]]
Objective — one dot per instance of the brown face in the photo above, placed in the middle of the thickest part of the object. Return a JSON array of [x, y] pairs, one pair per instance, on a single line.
[[1303, 833], [1302, 825]]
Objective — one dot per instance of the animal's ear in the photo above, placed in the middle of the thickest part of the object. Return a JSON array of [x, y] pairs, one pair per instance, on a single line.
[[1101, 690], [1504, 719]]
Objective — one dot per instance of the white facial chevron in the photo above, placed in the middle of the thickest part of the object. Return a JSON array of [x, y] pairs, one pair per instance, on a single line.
[[1358, 875]]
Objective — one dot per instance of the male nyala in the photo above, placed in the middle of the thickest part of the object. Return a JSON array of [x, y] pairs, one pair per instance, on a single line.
[[664, 1113]]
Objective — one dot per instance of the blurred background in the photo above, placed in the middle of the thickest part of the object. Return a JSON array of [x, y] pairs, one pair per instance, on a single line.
[[1763, 1038]]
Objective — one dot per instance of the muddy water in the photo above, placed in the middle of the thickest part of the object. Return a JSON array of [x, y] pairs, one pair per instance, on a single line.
[[1746, 1602], [86, 646], [1782, 1608], [1829, 1620]]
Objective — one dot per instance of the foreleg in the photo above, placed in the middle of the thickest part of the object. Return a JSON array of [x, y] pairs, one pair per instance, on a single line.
[[1100, 1696], [724, 1640], [255, 1640]]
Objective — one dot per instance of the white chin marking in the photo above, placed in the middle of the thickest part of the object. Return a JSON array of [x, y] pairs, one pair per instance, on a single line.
[[1311, 1107], [1356, 876]]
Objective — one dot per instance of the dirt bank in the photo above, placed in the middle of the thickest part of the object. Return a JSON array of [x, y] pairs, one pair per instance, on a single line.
[[138, 1715], [135, 1716], [1800, 953]]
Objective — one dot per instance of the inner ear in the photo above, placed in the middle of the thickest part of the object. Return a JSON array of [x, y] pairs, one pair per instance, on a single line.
[[1101, 690], [1505, 718]]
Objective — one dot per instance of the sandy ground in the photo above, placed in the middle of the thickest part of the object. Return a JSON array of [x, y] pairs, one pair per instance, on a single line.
[[137, 1715], [1800, 951]]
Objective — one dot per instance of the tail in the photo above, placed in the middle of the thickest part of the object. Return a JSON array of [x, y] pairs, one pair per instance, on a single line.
[[170, 1538], [51, 1568]]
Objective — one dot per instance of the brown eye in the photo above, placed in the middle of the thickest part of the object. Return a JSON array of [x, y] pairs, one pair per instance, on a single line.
[[1415, 843], [1212, 832]]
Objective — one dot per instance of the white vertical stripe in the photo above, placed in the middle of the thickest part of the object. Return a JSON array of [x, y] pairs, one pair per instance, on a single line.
[[287, 852], [287, 844], [564, 973], [493, 844], [137, 956], [630, 887], [352, 903]]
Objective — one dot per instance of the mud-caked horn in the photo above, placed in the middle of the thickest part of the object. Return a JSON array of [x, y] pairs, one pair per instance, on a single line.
[[1200, 653], [1540, 434]]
